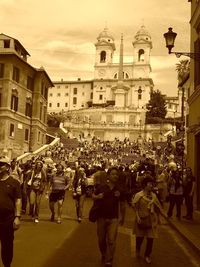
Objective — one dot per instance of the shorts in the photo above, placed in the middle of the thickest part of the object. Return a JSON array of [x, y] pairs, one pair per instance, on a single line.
[[57, 195]]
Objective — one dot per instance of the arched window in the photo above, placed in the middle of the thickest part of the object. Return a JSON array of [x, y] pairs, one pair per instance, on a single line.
[[141, 55], [103, 56], [14, 100], [125, 75]]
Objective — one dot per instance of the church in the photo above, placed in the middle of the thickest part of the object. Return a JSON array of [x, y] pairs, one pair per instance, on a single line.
[[113, 104]]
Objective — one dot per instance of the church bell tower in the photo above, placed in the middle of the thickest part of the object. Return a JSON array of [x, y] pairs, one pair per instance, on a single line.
[[105, 48]]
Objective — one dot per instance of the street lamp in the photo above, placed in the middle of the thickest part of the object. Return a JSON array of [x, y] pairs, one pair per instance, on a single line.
[[170, 37]]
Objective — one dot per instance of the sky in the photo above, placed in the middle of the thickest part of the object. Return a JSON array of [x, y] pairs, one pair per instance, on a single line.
[[60, 35]]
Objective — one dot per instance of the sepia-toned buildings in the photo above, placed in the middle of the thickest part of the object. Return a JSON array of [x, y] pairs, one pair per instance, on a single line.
[[73, 95], [193, 133], [113, 104], [23, 100]]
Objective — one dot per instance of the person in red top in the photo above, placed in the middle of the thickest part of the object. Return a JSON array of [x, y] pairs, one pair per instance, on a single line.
[[10, 208]]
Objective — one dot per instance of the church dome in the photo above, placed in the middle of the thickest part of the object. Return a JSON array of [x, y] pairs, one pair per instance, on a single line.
[[105, 34], [142, 34]]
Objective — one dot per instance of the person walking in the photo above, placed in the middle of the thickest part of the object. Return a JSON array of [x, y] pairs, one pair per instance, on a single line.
[[26, 174], [109, 196], [38, 183], [58, 184], [175, 188], [189, 187], [79, 191], [147, 208], [10, 210]]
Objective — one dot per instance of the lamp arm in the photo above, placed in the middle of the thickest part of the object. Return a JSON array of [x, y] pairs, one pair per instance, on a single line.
[[195, 56]]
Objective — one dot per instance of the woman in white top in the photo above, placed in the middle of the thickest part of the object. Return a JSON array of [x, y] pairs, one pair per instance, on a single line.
[[147, 208]]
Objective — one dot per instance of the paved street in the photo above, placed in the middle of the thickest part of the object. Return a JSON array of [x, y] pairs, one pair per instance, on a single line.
[[72, 244]]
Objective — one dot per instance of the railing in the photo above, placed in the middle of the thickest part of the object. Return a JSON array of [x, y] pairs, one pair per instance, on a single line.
[[41, 151], [86, 125]]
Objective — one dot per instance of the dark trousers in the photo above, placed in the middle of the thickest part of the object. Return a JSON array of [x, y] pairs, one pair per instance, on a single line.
[[107, 234], [24, 199], [149, 245], [175, 200], [6, 239], [189, 205]]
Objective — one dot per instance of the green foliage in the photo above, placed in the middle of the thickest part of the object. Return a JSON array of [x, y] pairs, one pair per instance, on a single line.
[[183, 69], [156, 108]]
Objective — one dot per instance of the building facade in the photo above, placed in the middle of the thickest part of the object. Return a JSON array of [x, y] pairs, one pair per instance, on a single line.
[[23, 100], [174, 104], [68, 95], [113, 104], [193, 133]]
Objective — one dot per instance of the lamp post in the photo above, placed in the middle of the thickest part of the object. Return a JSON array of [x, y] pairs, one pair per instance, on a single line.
[[170, 37]]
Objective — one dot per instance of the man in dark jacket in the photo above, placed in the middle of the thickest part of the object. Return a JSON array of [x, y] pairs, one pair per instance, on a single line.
[[111, 200], [10, 208]]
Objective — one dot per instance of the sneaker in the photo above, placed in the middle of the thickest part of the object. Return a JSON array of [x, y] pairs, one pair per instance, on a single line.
[[36, 220], [148, 260], [59, 221], [79, 219]]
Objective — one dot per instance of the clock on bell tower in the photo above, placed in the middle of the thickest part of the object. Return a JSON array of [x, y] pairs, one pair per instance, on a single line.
[[101, 72]]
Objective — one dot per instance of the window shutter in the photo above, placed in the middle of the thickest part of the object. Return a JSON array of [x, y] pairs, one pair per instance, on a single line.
[[16, 104]]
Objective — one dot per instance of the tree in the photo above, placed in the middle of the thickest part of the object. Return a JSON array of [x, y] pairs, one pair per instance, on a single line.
[[183, 69], [156, 108]]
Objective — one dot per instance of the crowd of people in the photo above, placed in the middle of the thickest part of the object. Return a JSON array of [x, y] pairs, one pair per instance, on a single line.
[[145, 177]]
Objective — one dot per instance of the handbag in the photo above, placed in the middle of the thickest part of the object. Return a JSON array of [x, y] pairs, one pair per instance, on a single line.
[[94, 212], [145, 222]]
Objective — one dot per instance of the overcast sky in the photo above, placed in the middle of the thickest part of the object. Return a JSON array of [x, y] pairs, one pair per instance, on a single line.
[[60, 35]]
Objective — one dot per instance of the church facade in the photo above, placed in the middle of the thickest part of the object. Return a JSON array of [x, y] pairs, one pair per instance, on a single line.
[[113, 104], [66, 95]]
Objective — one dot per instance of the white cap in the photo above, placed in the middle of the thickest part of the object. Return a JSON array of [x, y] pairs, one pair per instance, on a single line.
[[172, 165]]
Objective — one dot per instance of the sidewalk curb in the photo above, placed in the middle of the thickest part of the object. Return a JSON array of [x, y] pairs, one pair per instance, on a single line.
[[185, 233]]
